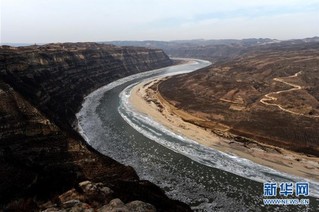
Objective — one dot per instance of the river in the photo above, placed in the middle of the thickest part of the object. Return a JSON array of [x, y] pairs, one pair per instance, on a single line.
[[204, 178]]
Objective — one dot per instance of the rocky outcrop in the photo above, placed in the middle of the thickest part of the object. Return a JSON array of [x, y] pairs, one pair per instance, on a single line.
[[93, 197], [41, 156], [88, 196]]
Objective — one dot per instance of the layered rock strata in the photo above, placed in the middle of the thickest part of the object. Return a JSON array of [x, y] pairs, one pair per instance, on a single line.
[[41, 156], [56, 77]]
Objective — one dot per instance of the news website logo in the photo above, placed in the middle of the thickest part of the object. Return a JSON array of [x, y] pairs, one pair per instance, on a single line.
[[286, 189]]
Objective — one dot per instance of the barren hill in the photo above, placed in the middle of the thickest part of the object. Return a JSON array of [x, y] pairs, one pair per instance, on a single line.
[[270, 94]]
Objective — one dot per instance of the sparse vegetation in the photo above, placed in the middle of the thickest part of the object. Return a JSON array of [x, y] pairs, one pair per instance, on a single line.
[[290, 120]]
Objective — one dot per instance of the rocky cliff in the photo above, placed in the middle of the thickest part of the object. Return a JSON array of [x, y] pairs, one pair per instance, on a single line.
[[41, 89], [56, 77]]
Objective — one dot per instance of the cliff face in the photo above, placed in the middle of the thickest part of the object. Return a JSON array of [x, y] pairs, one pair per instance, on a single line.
[[41, 88], [56, 77], [38, 158]]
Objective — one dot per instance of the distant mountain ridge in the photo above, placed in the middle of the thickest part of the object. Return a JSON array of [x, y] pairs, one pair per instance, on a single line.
[[213, 50], [191, 42], [195, 42]]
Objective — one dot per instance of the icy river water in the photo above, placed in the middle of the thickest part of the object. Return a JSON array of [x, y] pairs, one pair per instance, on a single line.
[[204, 178]]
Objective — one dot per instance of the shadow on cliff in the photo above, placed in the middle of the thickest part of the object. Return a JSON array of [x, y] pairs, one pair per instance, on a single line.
[[39, 161], [41, 89]]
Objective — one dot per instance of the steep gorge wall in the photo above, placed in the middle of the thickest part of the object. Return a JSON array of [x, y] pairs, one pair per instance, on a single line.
[[41, 89], [56, 77]]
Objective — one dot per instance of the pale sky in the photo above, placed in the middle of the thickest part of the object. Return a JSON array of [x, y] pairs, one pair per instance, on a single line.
[[43, 21]]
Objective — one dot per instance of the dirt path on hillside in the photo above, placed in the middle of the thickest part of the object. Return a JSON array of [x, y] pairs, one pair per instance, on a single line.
[[268, 96]]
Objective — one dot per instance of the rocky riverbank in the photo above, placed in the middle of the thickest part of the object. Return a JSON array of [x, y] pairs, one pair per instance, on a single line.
[[41, 157]]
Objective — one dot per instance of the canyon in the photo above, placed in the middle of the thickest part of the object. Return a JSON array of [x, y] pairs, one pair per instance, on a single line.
[[42, 156], [259, 94]]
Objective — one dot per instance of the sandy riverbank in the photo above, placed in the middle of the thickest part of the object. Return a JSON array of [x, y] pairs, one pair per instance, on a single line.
[[146, 99]]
